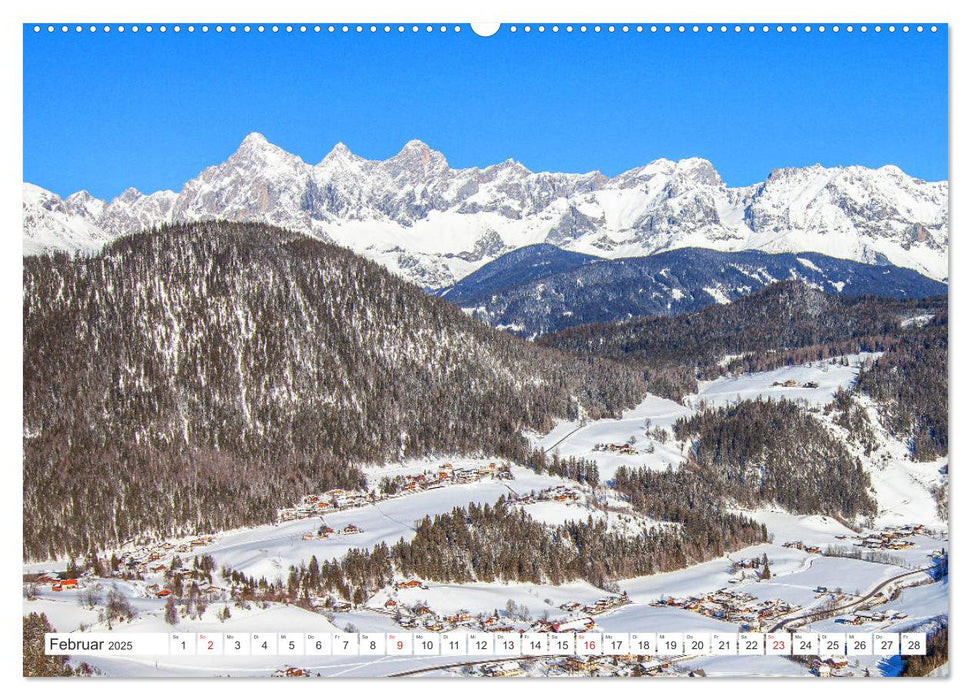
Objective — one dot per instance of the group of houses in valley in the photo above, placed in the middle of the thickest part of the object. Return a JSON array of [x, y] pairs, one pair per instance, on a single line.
[[201, 588], [747, 570], [557, 494], [140, 561], [391, 487], [322, 503], [408, 584], [146, 556], [863, 617], [892, 538], [563, 666], [624, 448], [420, 616], [834, 596], [809, 548], [58, 581], [743, 609], [792, 383], [499, 669], [830, 666], [133, 560], [326, 531], [293, 672], [599, 606]]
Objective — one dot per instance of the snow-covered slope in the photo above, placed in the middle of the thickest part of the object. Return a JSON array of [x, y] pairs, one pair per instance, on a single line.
[[433, 224]]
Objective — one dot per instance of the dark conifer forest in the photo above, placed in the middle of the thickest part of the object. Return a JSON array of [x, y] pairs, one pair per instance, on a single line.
[[909, 382], [500, 542], [774, 452]]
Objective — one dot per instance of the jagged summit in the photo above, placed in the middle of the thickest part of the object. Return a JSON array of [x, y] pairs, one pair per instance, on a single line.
[[129, 195], [339, 150], [256, 147], [254, 139], [416, 145], [418, 157]]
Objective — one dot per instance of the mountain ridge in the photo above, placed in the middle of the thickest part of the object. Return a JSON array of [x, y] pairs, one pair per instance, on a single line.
[[541, 289], [433, 224]]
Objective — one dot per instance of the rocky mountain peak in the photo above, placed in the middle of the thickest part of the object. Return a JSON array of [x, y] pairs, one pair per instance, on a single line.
[[417, 159], [700, 171], [256, 151], [338, 152], [129, 196]]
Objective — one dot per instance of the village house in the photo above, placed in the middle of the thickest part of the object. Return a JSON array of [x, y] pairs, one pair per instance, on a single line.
[[502, 669], [291, 672], [654, 667], [831, 664], [579, 664], [410, 583], [213, 593], [579, 625]]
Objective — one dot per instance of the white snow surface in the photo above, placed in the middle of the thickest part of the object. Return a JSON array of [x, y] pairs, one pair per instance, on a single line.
[[827, 375]]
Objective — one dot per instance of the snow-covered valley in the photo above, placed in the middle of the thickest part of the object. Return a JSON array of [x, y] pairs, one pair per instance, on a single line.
[[806, 572]]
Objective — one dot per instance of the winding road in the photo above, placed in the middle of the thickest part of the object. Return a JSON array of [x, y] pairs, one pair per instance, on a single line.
[[847, 606]]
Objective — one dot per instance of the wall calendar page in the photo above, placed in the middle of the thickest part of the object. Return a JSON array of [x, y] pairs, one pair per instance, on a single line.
[[462, 350]]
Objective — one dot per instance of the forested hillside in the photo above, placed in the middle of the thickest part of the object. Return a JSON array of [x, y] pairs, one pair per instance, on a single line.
[[775, 453], [198, 376], [909, 383], [785, 323], [540, 289]]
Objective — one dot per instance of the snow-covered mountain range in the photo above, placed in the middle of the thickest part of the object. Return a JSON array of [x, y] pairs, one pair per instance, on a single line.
[[433, 224]]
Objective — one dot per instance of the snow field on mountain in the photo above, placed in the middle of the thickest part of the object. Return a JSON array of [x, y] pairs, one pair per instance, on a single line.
[[476, 598], [828, 375], [856, 578]]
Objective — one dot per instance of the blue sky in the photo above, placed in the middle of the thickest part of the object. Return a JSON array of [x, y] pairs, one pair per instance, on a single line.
[[103, 112]]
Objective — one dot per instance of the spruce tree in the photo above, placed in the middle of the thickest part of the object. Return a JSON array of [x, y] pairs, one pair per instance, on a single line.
[[171, 614]]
